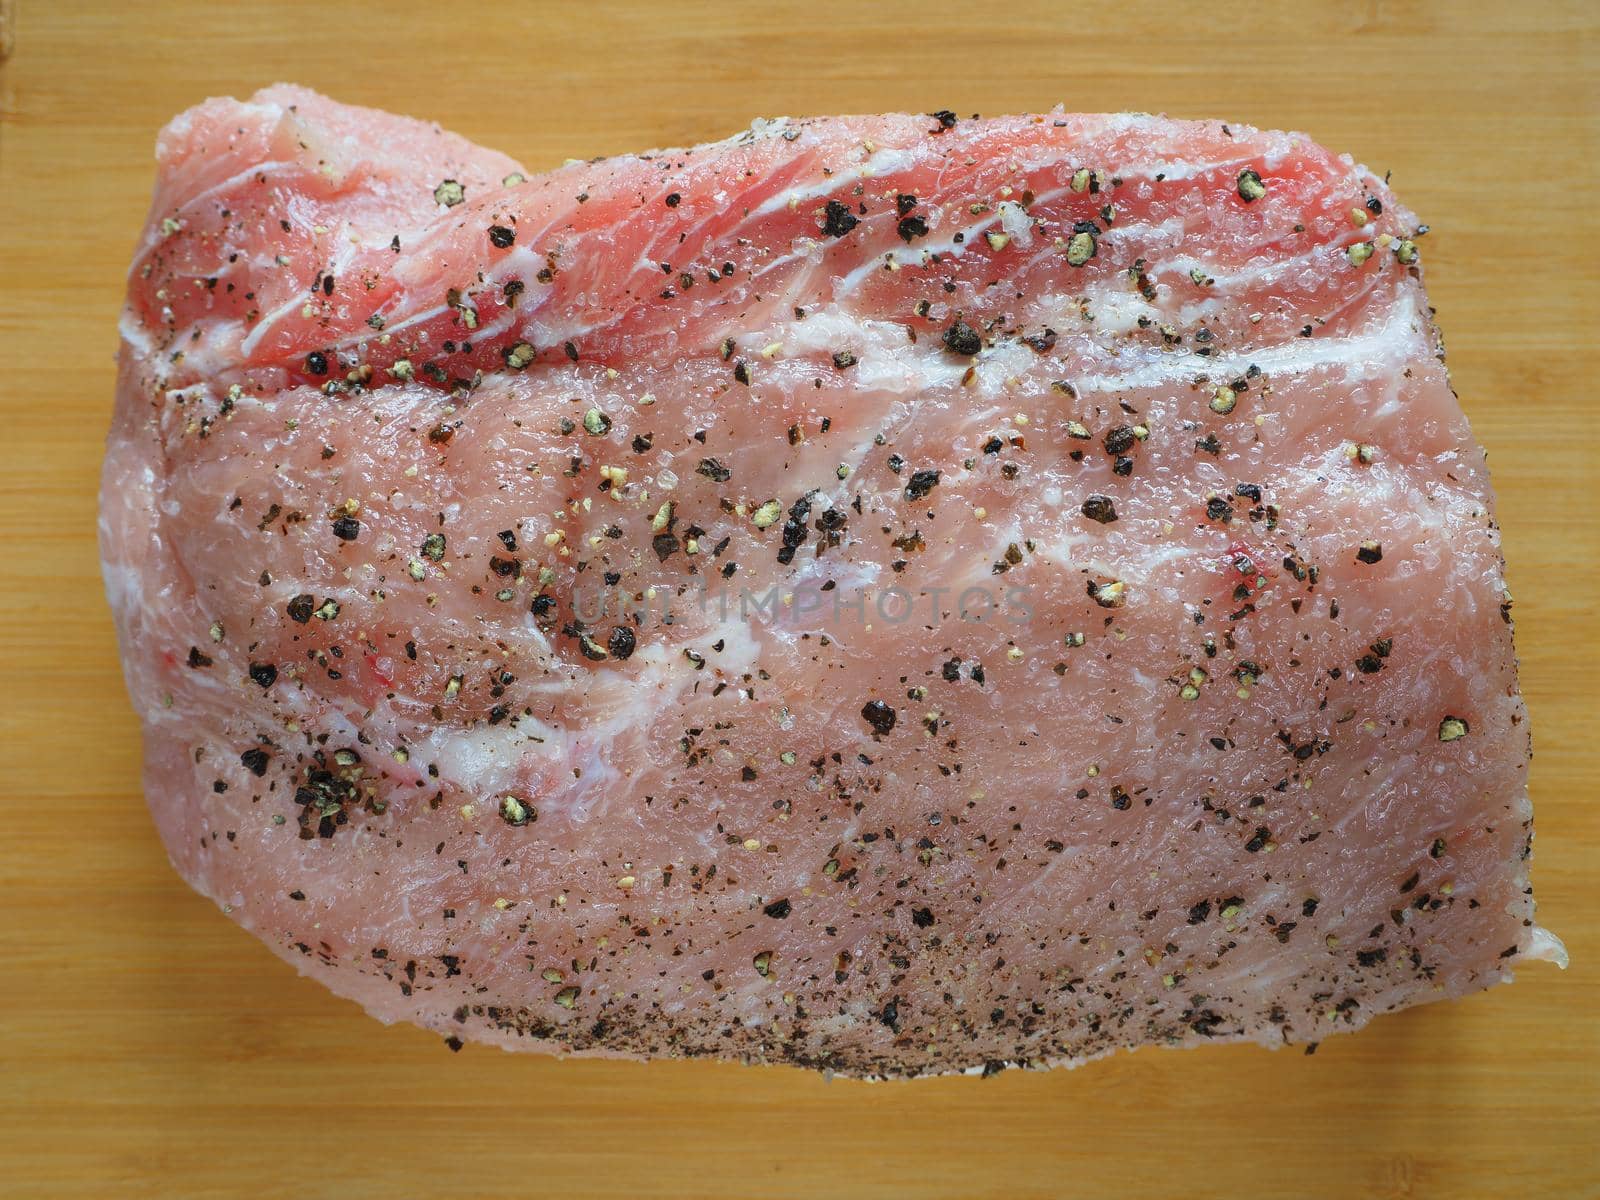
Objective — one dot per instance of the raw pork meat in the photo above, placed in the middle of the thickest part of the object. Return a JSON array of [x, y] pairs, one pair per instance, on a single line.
[[892, 594]]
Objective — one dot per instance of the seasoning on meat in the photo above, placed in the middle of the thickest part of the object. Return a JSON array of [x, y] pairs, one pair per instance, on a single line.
[[894, 595]]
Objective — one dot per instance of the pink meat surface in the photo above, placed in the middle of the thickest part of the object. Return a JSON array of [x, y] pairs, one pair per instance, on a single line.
[[893, 594]]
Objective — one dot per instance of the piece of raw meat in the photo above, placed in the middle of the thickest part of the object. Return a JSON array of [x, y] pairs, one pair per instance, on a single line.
[[892, 594]]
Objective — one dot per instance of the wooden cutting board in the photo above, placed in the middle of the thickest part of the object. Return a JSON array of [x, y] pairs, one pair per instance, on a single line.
[[150, 1048]]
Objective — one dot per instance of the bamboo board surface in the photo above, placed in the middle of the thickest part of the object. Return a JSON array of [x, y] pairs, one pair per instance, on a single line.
[[148, 1047]]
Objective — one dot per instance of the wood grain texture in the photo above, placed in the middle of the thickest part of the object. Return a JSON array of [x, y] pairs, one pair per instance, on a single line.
[[148, 1047]]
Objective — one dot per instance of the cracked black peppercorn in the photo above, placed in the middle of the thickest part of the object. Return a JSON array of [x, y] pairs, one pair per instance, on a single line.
[[837, 219], [962, 339], [879, 715]]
